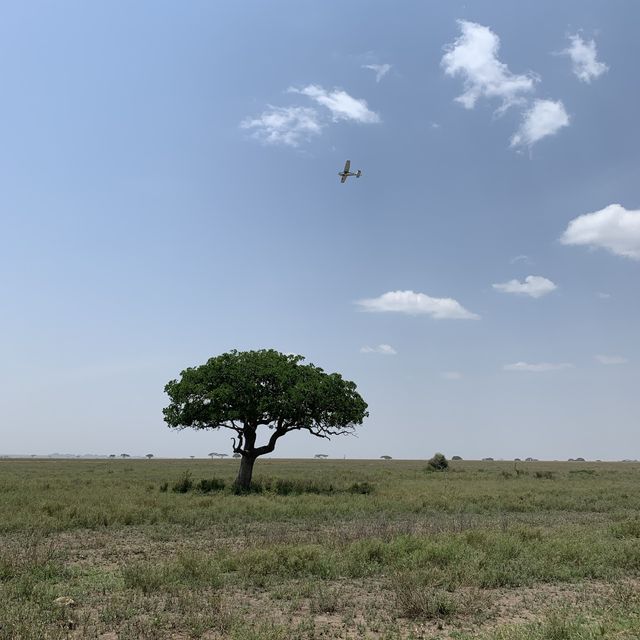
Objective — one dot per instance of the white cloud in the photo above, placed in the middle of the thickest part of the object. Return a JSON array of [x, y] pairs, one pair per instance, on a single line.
[[613, 228], [603, 296], [534, 286], [473, 56], [451, 375], [538, 367], [284, 125], [380, 69], [417, 304], [340, 103], [383, 349], [544, 118], [611, 359], [584, 59]]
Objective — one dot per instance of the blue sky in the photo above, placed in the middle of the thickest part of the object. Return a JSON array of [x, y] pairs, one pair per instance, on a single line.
[[169, 191]]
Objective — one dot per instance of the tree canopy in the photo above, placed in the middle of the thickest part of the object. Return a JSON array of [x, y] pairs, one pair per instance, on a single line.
[[244, 390]]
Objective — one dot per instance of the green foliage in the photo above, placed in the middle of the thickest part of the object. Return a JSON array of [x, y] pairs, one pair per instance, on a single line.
[[246, 389], [438, 463], [212, 484], [361, 487], [183, 484]]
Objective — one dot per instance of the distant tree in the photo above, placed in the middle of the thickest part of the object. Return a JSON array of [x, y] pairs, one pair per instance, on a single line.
[[125, 455], [244, 390], [487, 459], [438, 463], [113, 455], [213, 455], [236, 455], [530, 460], [149, 456], [517, 460], [580, 460], [386, 458], [192, 457], [456, 458], [321, 456]]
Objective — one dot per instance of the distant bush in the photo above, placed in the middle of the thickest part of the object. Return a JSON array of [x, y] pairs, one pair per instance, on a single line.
[[438, 463], [183, 484], [286, 487], [361, 487], [544, 475], [487, 459], [213, 484], [164, 486], [456, 458]]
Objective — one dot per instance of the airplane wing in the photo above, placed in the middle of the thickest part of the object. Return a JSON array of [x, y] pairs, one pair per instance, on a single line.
[[343, 179], [347, 166]]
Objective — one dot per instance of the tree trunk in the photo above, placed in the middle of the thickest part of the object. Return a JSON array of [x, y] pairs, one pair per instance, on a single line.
[[243, 481]]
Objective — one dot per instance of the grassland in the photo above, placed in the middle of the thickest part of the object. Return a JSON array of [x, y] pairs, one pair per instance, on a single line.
[[326, 549]]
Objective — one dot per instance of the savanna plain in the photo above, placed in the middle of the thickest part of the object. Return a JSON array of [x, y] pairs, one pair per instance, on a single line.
[[131, 549]]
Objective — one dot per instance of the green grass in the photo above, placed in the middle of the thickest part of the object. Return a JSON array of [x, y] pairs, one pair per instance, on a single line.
[[380, 549]]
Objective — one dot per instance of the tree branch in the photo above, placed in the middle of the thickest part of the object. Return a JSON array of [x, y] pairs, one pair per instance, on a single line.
[[271, 445]]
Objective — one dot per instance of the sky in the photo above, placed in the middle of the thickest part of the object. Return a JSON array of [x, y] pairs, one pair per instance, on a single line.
[[169, 191]]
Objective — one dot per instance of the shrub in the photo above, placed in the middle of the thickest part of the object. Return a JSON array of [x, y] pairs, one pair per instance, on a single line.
[[361, 487], [438, 463], [456, 458], [286, 487], [416, 600], [184, 483], [164, 487], [544, 475], [207, 486]]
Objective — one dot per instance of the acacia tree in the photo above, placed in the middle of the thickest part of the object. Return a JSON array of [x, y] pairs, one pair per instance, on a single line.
[[245, 390]]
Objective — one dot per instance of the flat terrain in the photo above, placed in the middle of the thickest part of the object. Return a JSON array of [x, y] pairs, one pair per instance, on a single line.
[[325, 549]]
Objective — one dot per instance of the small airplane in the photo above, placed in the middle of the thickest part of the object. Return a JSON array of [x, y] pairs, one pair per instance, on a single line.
[[346, 173]]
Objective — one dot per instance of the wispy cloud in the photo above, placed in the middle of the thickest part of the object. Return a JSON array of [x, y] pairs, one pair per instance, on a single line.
[[584, 58], [611, 359], [544, 118], [534, 286], [539, 367], [381, 70], [451, 375], [341, 105], [521, 258], [382, 349], [412, 303], [284, 125], [474, 57], [613, 228]]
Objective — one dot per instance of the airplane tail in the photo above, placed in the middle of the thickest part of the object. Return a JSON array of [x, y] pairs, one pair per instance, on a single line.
[[359, 173]]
